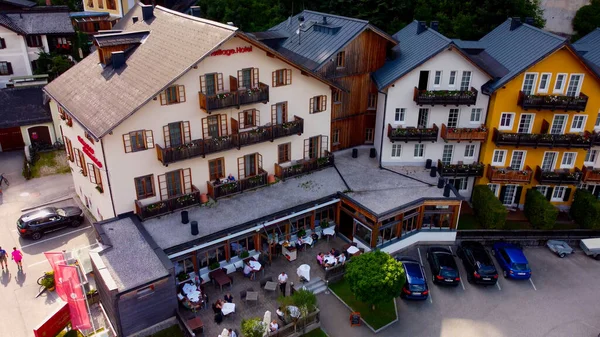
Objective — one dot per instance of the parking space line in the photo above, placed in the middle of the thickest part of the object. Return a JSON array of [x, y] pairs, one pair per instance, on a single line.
[[533, 285], [450, 249], [462, 284], [430, 299], [35, 264], [498, 285], [56, 237], [420, 258]]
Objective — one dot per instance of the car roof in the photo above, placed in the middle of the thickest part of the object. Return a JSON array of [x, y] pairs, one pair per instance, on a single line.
[[515, 254], [38, 213], [438, 249], [414, 273]]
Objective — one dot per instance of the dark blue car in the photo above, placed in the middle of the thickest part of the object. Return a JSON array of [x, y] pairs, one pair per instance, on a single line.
[[512, 261], [415, 287]]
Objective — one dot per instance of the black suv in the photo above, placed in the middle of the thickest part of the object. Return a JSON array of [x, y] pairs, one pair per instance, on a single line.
[[48, 219], [443, 267], [478, 263]]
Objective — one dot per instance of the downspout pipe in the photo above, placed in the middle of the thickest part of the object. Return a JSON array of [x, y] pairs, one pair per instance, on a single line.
[[112, 199]]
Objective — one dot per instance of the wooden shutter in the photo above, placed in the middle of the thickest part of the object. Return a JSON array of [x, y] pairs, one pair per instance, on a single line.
[[288, 76], [284, 112], [186, 180], [9, 67], [98, 176], [2, 43], [256, 115], [163, 98], [567, 194], [181, 93], [187, 134], [223, 125], [307, 148], [274, 114], [203, 83], [167, 136], [127, 143], [241, 170], [324, 145], [92, 175], [240, 77], [241, 119], [259, 162], [204, 127], [549, 191], [220, 82], [149, 137], [162, 186], [311, 108], [323, 103], [78, 160], [83, 166], [518, 194], [255, 77], [274, 79]]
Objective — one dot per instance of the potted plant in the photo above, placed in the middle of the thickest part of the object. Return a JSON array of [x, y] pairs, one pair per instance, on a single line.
[[214, 265], [301, 233], [48, 281], [244, 254], [99, 189], [324, 223], [93, 296], [182, 276]]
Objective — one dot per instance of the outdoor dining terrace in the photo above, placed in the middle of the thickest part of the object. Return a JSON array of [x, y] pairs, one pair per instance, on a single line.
[[303, 166], [229, 188], [568, 140], [464, 134], [234, 98], [561, 176], [590, 175], [553, 102], [460, 169], [412, 134], [508, 175], [445, 97], [168, 205]]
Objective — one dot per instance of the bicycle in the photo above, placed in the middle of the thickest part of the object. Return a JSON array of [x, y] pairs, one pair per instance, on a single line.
[[3, 179]]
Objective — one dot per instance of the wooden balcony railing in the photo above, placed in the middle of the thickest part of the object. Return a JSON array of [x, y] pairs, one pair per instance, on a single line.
[[562, 176], [217, 191], [590, 175], [569, 140], [553, 102], [412, 134], [508, 175], [234, 98], [445, 97], [460, 170], [464, 134], [168, 205], [303, 166]]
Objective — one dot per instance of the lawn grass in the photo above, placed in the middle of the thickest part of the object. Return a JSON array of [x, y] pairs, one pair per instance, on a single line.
[[315, 333], [383, 314], [172, 331], [49, 163]]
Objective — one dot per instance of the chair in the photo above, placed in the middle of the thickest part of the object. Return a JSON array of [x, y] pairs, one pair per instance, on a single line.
[[264, 281], [243, 295]]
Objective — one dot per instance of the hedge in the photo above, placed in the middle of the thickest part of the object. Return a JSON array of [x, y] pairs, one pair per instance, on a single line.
[[489, 210], [540, 212], [585, 209]]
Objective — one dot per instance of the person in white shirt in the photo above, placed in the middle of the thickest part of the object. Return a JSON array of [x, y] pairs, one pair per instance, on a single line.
[[280, 314], [282, 278], [232, 333], [248, 271], [274, 326], [341, 259]]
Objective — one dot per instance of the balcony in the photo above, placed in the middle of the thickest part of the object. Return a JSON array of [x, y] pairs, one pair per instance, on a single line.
[[303, 166], [590, 175], [564, 176], [217, 191], [509, 176], [569, 140], [460, 170], [553, 102], [445, 97], [234, 98], [464, 134], [163, 207], [202, 147], [412, 134]]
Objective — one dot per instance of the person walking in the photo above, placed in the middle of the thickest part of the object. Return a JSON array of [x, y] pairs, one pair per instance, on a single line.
[[18, 257], [282, 278], [3, 259]]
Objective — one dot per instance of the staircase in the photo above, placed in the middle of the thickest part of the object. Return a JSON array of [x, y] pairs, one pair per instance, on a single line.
[[315, 285]]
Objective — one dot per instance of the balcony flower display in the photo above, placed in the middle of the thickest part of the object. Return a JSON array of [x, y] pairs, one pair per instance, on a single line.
[[289, 125], [556, 98], [224, 95], [156, 207], [414, 132], [253, 91], [446, 93], [467, 130], [186, 199]]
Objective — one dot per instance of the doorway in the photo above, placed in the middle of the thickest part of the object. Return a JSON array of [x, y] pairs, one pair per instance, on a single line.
[[346, 225], [39, 135], [423, 79]]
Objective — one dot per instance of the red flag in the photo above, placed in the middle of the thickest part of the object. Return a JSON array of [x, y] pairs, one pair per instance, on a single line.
[[57, 259], [75, 297]]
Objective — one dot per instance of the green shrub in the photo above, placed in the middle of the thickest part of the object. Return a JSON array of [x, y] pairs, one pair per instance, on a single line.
[[585, 209], [489, 210], [253, 327], [540, 212], [586, 19], [301, 298]]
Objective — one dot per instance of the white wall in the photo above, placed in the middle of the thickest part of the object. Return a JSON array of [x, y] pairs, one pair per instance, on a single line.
[[15, 53], [25, 133], [124, 167]]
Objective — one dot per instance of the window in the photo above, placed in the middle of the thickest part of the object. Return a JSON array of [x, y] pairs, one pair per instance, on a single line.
[[574, 84], [549, 161], [590, 156], [144, 186], [422, 118], [372, 101], [525, 123], [369, 135], [465, 81], [452, 79], [558, 124], [111, 4], [94, 175], [447, 154], [401, 114], [249, 118], [173, 95], [453, 118], [89, 137], [5, 68], [578, 123], [2, 43], [517, 160], [282, 77], [90, 3], [388, 233], [284, 152], [476, 115], [318, 104], [509, 195], [216, 169], [559, 193], [396, 150], [409, 221], [459, 183], [175, 183], [419, 150], [80, 161], [559, 85], [279, 113], [498, 157], [101, 4], [568, 160], [211, 83], [544, 82], [336, 96], [335, 137], [251, 165], [494, 188], [248, 78], [437, 79], [469, 150], [138, 141], [542, 189], [506, 120], [362, 233], [340, 59], [597, 124], [34, 41], [529, 83]]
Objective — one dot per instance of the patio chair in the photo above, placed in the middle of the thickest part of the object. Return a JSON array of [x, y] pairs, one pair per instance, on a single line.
[[243, 295], [264, 281]]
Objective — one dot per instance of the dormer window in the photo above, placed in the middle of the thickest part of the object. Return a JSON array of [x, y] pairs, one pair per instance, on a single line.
[[173, 95]]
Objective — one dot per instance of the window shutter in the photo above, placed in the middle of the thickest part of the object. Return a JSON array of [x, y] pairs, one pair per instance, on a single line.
[[549, 191], [203, 83], [260, 162], [223, 125], [502, 193], [163, 98], [84, 166], [149, 139], [187, 134], [9, 67], [162, 187], [98, 176], [288, 76], [306, 148], [324, 145], [167, 136], [274, 79], [92, 174], [274, 114], [241, 172], [518, 195], [256, 115], [204, 127], [284, 110], [312, 105], [597, 192], [241, 119], [220, 82], [181, 93], [186, 179], [78, 160], [2, 43], [127, 143], [240, 78], [567, 194], [255, 77], [323, 103]]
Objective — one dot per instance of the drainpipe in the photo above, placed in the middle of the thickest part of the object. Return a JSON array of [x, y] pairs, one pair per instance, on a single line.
[[382, 127], [112, 200]]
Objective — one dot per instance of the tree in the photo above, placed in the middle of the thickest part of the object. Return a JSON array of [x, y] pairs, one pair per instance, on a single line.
[[52, 64], [586, 19], [253, 327], [375, 277]]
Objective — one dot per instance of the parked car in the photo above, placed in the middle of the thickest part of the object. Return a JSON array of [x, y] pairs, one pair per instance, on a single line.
[[478, 263], [443, 267], [591, 247], [48, 219], [512, 261], [415, 287]]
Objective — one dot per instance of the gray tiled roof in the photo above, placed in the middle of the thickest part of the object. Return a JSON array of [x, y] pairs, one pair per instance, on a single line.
[[21, 3], [38, 22], [23, 106], [589, 47], [101, 99]]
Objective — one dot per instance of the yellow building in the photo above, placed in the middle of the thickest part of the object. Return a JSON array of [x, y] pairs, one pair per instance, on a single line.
[[541, 116]]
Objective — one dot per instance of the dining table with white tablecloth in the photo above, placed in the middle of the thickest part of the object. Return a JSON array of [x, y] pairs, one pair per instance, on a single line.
[[228, 308], [330, 259]]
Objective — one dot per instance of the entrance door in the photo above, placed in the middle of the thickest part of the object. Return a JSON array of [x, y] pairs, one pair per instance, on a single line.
[[39, 135], [213, 126], [250, 165], [549, 161], [422, 118], [346, 225], [175, 135], [11, 139], [211, 84], [423, 78]]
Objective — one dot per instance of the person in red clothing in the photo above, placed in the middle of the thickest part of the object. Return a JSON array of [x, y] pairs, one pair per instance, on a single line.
[[18, 257]]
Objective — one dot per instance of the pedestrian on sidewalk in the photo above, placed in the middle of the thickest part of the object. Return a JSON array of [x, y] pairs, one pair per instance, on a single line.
[[282, 278], [18, 257], [3, 259]]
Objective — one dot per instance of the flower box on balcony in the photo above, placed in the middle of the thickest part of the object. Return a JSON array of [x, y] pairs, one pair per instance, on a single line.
[[412, 134], [445, 97], [464, 134], [591, 174], [553, 102]]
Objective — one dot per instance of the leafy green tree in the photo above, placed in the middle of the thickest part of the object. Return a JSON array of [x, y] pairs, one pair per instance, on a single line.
[[52, 64], [586, 19], [253, 327], [375, 277]]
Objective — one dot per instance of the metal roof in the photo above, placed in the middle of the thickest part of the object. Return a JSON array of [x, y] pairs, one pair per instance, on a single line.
[[38, 22], [589, 47]]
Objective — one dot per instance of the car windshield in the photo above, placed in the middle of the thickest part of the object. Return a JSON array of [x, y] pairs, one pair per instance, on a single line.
[[447, 272], [61, 212], [486, 270], [520, 266], [417, 287], [20, 223]]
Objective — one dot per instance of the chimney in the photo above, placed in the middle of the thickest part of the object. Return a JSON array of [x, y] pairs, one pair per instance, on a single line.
[[48, 2], [529, 20], [134, 19], [195, 11], [118, 59], [147, 12], [434, 25], [421, 27], [515, 23], [324, 20]]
